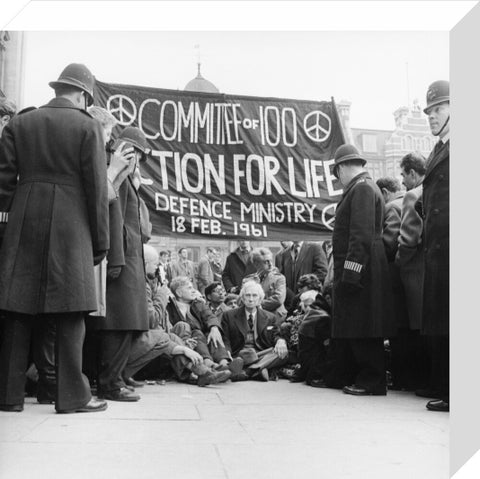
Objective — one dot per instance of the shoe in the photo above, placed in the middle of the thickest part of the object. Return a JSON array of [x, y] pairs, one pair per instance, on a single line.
[[130, 388], [213, 377], [427, 393], [45, 401], [94, 405], [296, 378], [261, 375], [317, 383], [273, 375], [438, 405], [123, 394], [11, 407], [286, 373], [359, 391], [133, 383], [243, 376]]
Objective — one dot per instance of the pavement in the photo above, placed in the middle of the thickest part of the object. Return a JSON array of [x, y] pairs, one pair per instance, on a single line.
[[230, 431]]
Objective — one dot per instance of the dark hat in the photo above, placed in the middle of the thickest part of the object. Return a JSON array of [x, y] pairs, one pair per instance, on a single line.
[[135, 137], [346, 153], [79, 76], [438, 92], [249, 356]]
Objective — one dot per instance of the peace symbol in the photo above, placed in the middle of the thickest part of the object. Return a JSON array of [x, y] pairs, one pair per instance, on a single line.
[[123, 109], [329, 223], [317, 126]]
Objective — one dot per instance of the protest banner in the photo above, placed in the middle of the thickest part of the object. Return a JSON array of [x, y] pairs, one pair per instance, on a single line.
[[230, 166]]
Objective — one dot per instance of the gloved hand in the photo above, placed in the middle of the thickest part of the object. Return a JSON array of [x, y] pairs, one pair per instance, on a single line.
[[98, 256], [113, 272]]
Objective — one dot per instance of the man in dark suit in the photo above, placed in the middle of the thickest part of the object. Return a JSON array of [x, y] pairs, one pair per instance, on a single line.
[[436, 241], [299, 259], [252, 334], [53, 199]]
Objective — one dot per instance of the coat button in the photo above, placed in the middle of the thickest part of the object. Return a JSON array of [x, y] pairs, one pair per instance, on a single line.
[[436, 211], [426, 250], [438, 246], [440, 177]]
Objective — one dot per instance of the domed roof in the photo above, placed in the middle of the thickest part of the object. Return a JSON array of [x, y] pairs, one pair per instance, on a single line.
[[201, 84]]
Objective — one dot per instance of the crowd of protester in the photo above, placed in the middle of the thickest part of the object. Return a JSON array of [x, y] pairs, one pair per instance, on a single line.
[[89, 308]]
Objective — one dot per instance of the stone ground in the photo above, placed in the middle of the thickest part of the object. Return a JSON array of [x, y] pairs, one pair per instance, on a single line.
[[230, 431]]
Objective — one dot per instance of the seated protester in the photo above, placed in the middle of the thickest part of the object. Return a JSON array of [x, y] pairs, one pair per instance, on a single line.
[[192, 319], [307, 282], [215, 295], [272, 281], [150, 345], [231, 301], [312, 336], [252, 334]]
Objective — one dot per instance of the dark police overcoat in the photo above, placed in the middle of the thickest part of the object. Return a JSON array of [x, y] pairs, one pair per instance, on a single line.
[[126, 295], [436, 197], [362, 297], [53, 185]]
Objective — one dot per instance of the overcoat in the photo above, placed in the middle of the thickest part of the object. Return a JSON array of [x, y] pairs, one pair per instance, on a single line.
[[53, 186], [362, 297], [409, 257], [235, 270], [436, 221], [311, 260], [126, 295]]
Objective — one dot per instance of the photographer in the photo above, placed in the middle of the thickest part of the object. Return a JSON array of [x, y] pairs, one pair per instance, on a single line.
[[126, 307]]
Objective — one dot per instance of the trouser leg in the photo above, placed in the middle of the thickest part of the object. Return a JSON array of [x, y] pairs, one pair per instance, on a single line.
[[440, 365], [14, 351], [44, 357], [369, 355], [340, 367], [114, 352], [73, 389]]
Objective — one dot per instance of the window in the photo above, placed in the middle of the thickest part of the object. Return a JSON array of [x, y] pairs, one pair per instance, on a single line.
[[369, 143]]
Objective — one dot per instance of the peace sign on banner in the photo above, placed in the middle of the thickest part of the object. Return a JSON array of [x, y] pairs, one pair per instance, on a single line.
[[317, 126], [123, 109]]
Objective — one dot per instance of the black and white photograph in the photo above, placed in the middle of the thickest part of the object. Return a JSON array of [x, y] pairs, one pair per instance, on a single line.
[[225, 240]]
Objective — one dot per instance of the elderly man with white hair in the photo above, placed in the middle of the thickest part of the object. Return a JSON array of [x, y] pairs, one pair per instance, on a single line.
[[252, 334]]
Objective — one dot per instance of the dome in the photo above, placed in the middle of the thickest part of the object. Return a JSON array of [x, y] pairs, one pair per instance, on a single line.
[[201, 84]]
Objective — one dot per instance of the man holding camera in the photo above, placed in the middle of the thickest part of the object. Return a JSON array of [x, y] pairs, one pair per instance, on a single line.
[[126, 306]]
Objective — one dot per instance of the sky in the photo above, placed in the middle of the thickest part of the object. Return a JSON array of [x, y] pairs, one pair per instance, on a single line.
[[377, 71]]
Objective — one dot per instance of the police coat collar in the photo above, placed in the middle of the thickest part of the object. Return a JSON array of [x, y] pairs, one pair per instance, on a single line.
[[361, 177], [61, 102]]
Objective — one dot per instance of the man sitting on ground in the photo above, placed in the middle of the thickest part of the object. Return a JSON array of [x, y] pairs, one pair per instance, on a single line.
[[252, 334], [215, 294], [156, 342]]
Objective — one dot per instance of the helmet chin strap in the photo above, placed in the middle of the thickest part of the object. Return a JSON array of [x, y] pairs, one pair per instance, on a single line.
[[444, 125]]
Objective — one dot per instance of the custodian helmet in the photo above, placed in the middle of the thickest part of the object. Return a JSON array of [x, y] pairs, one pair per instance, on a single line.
[[346, 153], [79, 76], [438, 92]]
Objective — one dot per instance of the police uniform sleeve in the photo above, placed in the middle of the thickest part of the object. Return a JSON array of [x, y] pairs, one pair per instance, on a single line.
[[361, 234], [94, 175]]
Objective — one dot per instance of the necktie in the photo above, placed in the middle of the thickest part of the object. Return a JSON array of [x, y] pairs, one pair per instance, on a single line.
[[250, 321], [295, 253]]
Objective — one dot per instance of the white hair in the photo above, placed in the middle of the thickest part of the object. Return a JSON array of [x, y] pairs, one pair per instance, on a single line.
[[251, 284]]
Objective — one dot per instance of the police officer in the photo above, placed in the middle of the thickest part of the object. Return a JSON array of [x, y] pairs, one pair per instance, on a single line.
[[53, 195], [362, 301], [436, 242]]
